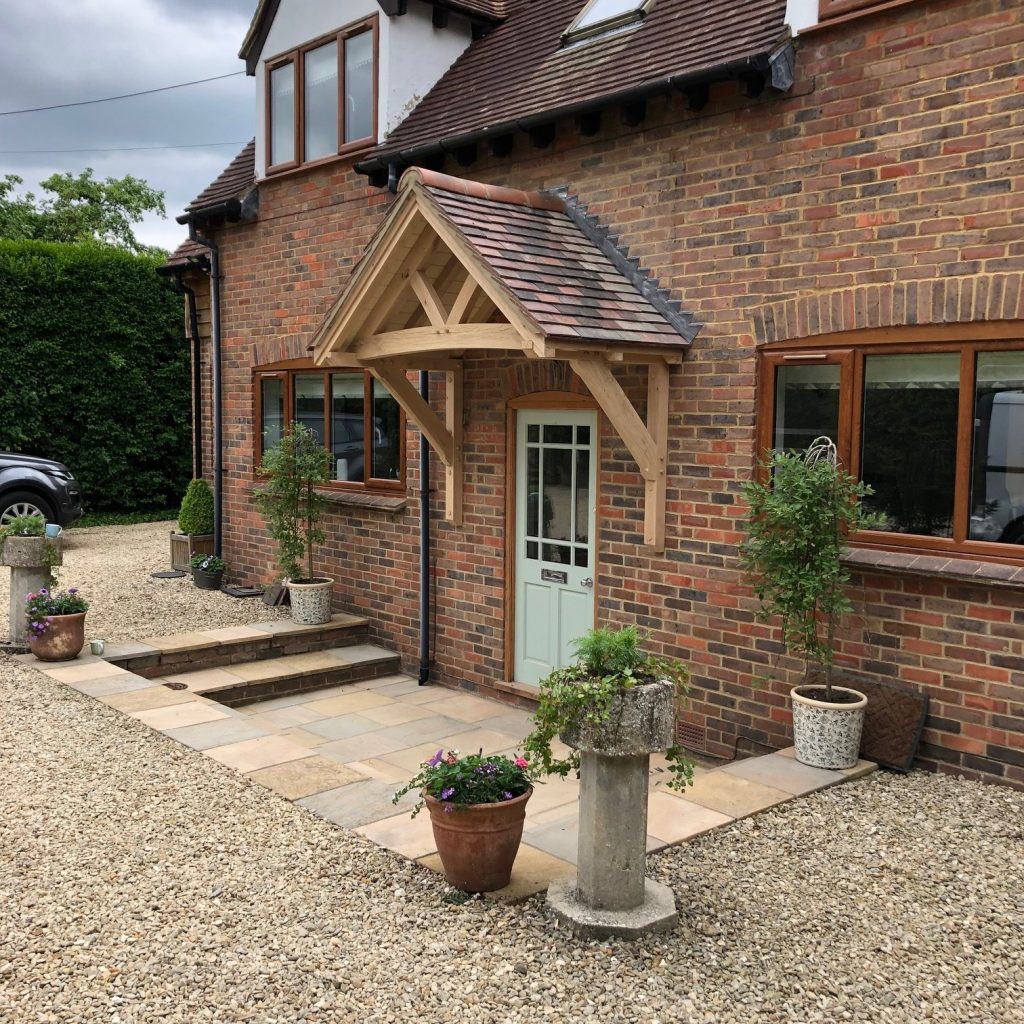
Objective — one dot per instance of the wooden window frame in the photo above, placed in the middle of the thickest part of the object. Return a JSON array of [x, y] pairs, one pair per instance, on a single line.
[[288, 371], [851, 355], [297, 58]]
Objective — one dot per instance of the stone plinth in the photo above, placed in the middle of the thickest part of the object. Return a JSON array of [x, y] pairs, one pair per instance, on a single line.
[[30, 572], [611, 895]]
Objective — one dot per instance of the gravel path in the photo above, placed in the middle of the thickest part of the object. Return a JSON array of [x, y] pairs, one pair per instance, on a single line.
[[140, 882], [111, 565]]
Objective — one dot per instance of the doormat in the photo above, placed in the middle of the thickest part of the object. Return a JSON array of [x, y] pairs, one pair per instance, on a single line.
[[170, 574], [893, 721], [242, 591]]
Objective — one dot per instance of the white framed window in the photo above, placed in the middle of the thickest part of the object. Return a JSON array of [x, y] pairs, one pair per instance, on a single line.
[[601, 16]]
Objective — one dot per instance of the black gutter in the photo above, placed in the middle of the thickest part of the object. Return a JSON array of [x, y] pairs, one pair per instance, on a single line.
[[218, 398], [197, 380], [424, 676], [230, 209], [758, 64]]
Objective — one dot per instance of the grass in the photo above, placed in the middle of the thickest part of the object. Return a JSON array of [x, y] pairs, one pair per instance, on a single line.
[[125, 518]]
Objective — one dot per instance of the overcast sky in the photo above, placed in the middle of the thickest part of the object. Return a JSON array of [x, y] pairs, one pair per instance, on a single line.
[[60, 51]]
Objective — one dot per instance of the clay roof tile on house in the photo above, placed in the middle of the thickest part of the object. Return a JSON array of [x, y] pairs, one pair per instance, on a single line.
[[522, 69], [181, 256], [233, 182]]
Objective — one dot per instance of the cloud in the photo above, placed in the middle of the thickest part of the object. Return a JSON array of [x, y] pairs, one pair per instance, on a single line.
[[55, 52]]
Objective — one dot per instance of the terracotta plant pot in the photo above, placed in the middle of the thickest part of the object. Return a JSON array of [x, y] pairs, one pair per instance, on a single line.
[[478, 843], [827, 735], [311, 602], [63, 639]]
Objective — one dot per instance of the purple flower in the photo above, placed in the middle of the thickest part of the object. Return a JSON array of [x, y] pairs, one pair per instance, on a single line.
[[44, 591], [436, 759], [507, 795], [447, 794], [73, 590]]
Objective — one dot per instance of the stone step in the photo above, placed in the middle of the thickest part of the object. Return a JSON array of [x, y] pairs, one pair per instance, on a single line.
[[247, 682], [232, 645]]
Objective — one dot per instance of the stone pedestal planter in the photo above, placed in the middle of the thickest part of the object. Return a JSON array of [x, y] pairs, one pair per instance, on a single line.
[[30, 572], [611, 894], [311, 602], [827, 735]]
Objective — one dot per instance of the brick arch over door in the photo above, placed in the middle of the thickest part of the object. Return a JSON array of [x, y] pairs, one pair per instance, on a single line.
[[985, 297]]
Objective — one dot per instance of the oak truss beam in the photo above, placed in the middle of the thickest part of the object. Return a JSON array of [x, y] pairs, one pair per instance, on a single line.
[[647, 442]]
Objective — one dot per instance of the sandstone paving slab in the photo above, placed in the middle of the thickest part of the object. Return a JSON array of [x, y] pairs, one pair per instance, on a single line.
[[361, 748], [315, 661], [177, 642], [306, 777], [128, 649], [259, 671], [287, 717], [399, 677], [341, 727], [345, 703], [82, 669], [422, 695], [382, 771], [276, 626], [217, 733], [673, 819], [467, 708], [552, 792], [147, 698], [731, 795], [234, 633], [359, 653], [469, 741], [259, 707], [111, 685], [411, 837], [303, 737], [250, 755], [177, 716], [405, 762], [783, 773], [399, 713], [356, 804], [533, 871], [205, 679], [400, 689], [860, 769]]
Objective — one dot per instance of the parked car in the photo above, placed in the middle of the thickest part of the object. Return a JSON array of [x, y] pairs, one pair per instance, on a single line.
[[38, 487]]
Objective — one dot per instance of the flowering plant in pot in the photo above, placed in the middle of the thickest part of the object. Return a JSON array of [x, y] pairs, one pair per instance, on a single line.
[[56, 623], [207, 571], [477, 805], [800, 515], [294, 468]]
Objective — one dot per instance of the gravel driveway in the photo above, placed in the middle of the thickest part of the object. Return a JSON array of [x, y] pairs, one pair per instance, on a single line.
[[111, 565], [141, 882]]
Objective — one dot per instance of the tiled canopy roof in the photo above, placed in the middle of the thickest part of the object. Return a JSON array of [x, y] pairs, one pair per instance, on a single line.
[[180, 256], [232, 183], [521, 70], [566, 282]]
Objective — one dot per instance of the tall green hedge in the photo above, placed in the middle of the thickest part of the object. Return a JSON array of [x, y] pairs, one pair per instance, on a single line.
[[94, 371]]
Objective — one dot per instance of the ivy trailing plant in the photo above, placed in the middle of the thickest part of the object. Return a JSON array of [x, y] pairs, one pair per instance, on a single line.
[[608, 663], [294, 468], [196, 513], [801, 512]]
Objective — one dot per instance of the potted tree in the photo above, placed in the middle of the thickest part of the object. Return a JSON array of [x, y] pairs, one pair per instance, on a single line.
[[195, 523], [293, 469], [477, 807], [207, 571], [800, 514], [56, 623]]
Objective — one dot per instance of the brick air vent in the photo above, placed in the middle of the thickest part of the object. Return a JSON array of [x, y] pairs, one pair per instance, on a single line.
[[693, 737]]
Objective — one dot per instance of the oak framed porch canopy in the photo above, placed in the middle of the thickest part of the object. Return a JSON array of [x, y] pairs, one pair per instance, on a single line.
[[459, 266]]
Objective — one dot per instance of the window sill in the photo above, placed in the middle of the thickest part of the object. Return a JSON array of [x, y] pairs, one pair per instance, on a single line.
[[842, 19], [359, 499], [962, 570], [347, 156]]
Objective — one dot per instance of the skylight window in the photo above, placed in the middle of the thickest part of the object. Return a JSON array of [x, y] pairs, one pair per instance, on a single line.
[[600, 16]]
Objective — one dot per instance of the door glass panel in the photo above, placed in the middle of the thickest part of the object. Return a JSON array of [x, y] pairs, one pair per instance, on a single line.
[[320, 80], [557, 494], [347, 446], [387, 434], [533, 433], [582, 496], [583, 435], [272, 407], [908, 440], [309, 403], [282, 114], [997, 473], [806, 405], [532, 549], [359, 87], [582, 556], [557, 434], [560, 553], [533, 492]]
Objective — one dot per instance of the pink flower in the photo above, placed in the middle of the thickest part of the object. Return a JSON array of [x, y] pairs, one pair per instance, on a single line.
[[521, 762]]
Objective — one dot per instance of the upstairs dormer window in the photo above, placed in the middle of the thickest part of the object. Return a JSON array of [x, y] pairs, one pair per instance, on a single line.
[[322, 98], [600, 16]]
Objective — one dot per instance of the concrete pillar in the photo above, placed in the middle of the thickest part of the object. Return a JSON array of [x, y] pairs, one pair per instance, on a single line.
[[25, 580]]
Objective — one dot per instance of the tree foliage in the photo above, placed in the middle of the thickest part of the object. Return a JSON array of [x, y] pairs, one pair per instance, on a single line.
[[196, 514], [79, 209], [95, 371]]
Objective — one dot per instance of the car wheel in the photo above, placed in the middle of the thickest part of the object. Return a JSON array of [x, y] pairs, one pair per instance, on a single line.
[[24, 503]]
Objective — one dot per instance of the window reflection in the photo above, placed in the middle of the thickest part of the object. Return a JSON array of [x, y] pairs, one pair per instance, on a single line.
[[806, 405]]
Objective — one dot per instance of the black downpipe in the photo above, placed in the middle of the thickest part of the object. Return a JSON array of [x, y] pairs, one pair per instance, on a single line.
[[424, 542], [197, 381], [215, 358]]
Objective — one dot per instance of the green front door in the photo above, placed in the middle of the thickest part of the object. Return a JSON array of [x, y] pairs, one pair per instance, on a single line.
[[556, 476]]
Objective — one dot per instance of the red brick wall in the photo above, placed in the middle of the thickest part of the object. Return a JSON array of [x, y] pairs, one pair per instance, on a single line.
[[895, 159]]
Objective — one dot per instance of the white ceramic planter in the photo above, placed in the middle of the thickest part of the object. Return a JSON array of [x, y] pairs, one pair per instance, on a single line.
[[827, 735], [311, 602]]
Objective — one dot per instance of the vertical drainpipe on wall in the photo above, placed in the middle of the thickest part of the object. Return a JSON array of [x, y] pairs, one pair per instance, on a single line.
[[424, 542], [197, 381], [218, 495]]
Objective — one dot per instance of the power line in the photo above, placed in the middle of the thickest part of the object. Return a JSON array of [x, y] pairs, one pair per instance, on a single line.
[[123, 96], [121, 149]]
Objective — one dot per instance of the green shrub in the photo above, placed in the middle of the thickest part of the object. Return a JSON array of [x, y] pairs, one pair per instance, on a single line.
[[196, 515], [95, 371]]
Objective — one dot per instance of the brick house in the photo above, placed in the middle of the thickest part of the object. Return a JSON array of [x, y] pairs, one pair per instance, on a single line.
[[626, 247]]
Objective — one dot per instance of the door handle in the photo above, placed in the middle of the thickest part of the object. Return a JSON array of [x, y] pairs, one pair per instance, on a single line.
[[588, 582]]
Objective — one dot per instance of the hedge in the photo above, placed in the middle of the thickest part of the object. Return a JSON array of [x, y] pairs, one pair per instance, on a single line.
[[95, 371]]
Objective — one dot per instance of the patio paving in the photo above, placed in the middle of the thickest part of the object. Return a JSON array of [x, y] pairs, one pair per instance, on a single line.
[[344, 751]]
